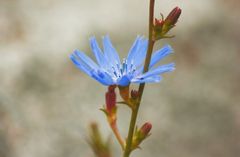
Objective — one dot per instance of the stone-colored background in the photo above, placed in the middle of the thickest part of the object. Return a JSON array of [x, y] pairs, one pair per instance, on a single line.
[[46, 104]]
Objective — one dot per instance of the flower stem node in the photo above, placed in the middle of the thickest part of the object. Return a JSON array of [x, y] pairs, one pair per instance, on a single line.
[[134, 99], [162, 26], [141, 134]]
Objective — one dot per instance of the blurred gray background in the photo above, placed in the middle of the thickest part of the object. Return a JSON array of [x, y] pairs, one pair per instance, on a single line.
[[46, 103]]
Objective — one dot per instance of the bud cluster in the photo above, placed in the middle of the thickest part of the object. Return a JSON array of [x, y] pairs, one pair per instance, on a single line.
[[162, 26]]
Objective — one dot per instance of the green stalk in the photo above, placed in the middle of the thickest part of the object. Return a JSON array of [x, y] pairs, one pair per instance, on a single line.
[[135, 109]]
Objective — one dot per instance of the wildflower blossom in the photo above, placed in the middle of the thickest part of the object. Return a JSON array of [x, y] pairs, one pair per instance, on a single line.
[[109, 70]]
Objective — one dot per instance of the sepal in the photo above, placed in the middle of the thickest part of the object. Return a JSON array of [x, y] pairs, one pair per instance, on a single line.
[[124, 92]]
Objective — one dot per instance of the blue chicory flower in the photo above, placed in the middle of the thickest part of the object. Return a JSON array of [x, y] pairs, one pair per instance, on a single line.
[[109, 70]]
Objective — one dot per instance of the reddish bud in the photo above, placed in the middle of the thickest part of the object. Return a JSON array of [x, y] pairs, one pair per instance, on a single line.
[[162, 26], [173, 16], [145, 129], [141, 134], [134, 94], [110, 98]]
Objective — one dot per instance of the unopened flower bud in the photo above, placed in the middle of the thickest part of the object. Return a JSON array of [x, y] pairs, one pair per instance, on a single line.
[[110, 98], [141, 134], [145, 129], [163, 26], [111, 108], [134, 94], [173, 16]]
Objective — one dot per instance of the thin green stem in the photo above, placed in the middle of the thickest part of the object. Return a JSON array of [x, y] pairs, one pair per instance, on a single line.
[[134, 114]]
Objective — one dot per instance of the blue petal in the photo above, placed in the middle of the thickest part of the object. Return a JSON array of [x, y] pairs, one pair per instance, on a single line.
[[100, 80], [103, 78], [80, 65], [86, 60], [152, 79], [156, 57], [97, 76], [110, 52], [123, 81], [159, 70], [141, 52], [133, 51], [106, 76], [160, 54], [98, 53]]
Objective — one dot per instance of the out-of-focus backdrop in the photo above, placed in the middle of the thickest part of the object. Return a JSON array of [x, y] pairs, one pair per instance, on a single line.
[[46, 103]]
